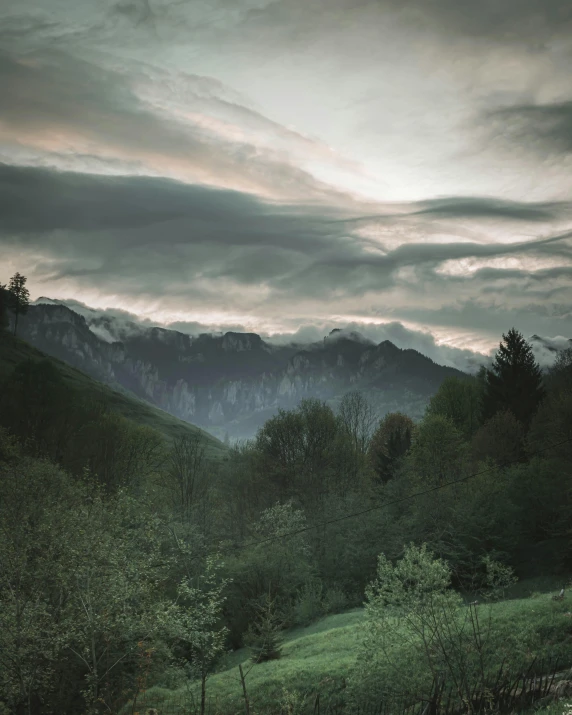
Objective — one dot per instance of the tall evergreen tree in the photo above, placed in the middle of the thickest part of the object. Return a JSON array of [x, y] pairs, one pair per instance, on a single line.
[[19, 297], [515, 381]]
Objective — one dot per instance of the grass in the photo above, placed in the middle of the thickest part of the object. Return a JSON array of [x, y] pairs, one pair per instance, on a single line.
[[320, 658], [13, 351]]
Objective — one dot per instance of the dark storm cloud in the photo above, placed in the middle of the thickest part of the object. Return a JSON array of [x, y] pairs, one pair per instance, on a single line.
[[544, 128]]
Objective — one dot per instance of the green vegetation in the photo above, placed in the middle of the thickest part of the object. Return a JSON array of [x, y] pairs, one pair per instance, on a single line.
[[131, 564], [321, 658], [14, 351]]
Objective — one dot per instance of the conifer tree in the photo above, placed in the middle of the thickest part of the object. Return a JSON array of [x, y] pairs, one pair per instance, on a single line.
[[19, 297], [515, 381], [264, 636], [4, 298]]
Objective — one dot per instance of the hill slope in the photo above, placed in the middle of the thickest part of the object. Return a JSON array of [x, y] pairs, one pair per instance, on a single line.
[[13, 351]]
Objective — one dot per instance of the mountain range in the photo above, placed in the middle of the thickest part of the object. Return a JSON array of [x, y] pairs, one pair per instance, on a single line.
[[231, 384]]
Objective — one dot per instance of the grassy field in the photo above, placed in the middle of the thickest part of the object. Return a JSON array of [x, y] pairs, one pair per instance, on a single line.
[[14, 351], [320, 658]]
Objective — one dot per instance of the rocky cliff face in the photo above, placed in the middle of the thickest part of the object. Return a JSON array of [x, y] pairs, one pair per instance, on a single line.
[[233, 382]]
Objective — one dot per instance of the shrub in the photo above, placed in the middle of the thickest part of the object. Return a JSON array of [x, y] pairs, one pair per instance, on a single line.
[[335, 600], [309, 604]]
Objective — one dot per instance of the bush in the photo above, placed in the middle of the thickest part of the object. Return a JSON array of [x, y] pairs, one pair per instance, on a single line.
[[309, 604], [335, 600]]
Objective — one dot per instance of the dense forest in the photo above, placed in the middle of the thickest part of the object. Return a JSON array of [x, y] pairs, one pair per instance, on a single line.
[[128, 560]]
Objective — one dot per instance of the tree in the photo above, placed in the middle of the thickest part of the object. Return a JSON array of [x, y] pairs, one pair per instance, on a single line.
[[38, 407], [437, 452], [515, 381], [275, 563], [560, 374], [19, 297], [500, 439], [390, 442], [418, 632], [297, 449], [4, 302], [459, 399], [264, 636], [117, 452], [186, 474], [80, 585], [357, 418], [195, 621]]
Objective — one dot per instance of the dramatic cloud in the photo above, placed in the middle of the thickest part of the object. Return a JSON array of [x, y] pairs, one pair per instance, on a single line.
[[288, 166]]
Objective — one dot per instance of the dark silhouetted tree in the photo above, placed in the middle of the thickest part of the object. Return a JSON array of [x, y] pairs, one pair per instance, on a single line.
[[4, 302], [515, 381], [19, 297]]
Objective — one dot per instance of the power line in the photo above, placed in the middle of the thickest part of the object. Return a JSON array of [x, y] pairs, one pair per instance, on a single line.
[[351, 515]]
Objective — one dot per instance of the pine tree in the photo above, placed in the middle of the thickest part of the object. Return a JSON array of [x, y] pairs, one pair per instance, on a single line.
[[515, 381], [264, 636], [19, 297]]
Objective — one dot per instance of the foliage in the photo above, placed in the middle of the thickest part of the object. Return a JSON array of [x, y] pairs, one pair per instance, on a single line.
[[460, 400], [82, 590], [390, 442], [500, 439], [515, 381], [264, 636], [438, 451], [194, 622], [119, 556], [297, 450], [309, 604], [18, 297], [357, 419], [559, 379], [418, 630], [4, 304], [275, 564], [186, 474]]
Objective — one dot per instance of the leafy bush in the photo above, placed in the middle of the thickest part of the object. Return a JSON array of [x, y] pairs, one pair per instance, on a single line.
[[309, 604], [335, 600]]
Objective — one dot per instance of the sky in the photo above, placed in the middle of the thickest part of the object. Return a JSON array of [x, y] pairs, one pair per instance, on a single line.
[[287, 167]]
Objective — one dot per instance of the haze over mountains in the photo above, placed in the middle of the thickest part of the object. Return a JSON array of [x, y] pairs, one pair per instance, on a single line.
[[232, 383]]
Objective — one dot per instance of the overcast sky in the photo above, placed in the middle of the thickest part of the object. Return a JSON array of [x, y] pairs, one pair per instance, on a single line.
[[292, 166]]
